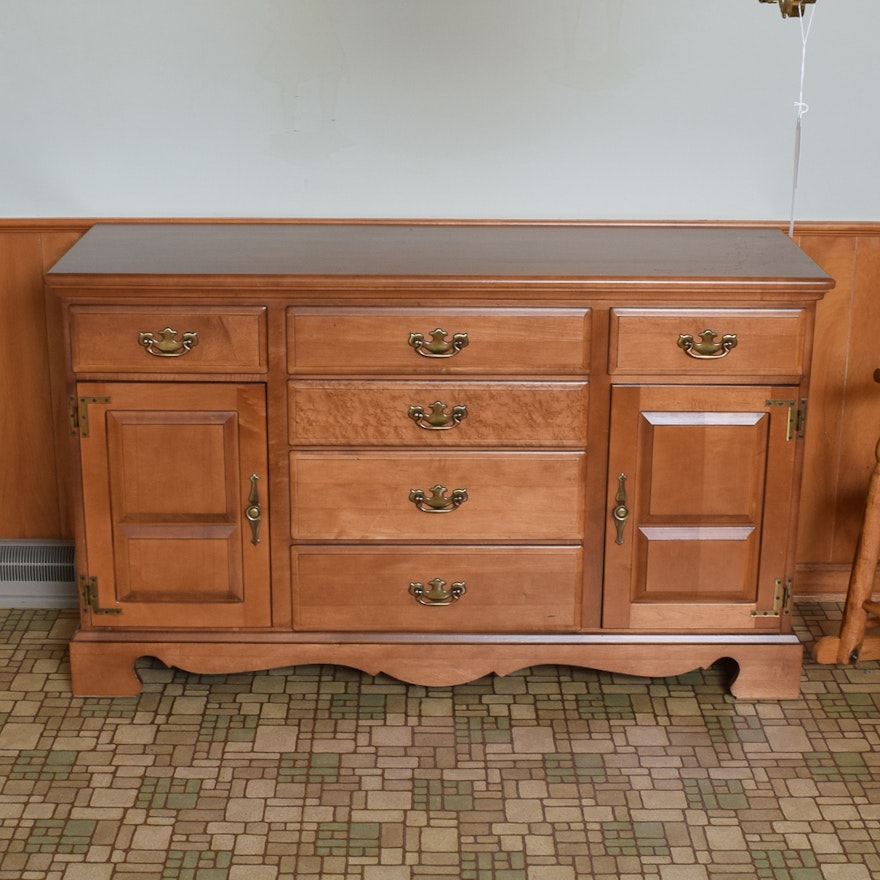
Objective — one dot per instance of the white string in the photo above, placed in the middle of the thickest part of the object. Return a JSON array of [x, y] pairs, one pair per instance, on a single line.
[[802, 108]]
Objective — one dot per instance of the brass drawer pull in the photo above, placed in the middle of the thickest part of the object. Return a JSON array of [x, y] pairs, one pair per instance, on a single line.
[[438, 595], [438, 502], [438, 347], [438, 419], [707, 348], [168, 345], [254, 512], [620, 513]]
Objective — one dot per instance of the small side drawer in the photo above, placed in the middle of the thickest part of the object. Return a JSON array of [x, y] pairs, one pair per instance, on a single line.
[[438, 414], [438, 341], [736, 343], [511, 497], [167, 339], [500, 589]]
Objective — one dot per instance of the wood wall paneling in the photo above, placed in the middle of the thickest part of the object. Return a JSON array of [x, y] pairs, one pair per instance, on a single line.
[[843, 424], [818, 513], [842, 431], [28, 469], [55, 245]]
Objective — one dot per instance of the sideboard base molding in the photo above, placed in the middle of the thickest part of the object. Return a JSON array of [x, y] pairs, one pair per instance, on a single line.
[[769, 666]]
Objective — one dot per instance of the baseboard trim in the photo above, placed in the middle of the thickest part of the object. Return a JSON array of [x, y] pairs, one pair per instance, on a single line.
[[38, 595], [824, 582]]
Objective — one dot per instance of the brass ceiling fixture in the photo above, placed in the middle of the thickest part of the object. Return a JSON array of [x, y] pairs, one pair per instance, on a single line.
[[790, 8]]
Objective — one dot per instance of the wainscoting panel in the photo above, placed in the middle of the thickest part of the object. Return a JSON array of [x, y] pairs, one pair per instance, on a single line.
[[843, 424]]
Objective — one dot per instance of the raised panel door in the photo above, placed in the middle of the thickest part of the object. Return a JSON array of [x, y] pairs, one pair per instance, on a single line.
[[701, 480], [168, 474]]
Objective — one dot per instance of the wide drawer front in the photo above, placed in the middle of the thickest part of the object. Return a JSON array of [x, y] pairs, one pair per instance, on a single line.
[[444, 414], [701, 343], [457, 589], [168, 339], [423, 497], [438, 341]]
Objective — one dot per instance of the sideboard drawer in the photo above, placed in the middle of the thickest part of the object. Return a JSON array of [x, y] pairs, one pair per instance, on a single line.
[[438, 341], [736, 342], [438, 414], [168, 339], [499, 589], [509, 497]]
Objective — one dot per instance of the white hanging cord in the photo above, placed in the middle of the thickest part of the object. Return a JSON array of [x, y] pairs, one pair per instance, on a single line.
[[802, 108]]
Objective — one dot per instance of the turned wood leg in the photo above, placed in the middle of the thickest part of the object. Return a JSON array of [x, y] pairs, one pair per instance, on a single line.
[[850, 645]]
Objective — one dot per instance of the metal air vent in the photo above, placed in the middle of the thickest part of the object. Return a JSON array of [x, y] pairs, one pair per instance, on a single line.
[[37, 574]]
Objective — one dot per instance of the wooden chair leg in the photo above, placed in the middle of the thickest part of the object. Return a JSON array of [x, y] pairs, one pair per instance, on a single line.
[[860, 614]]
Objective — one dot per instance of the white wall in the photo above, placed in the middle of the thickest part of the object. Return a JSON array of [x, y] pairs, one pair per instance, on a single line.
[[608, 109]]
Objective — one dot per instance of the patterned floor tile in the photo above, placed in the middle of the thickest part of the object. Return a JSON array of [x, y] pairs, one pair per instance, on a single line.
[[322, 773]]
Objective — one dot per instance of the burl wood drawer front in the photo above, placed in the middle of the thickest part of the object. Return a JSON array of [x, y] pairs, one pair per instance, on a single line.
[[457, 589], [438, 341], [424, 497], [702, 343], [168, 339], [438, 414]]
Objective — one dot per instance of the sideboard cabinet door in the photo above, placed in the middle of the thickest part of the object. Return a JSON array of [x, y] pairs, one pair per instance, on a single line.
[[175, 505], [700, 489]]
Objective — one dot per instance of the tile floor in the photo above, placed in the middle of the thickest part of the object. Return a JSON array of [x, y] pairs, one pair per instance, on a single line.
[[326, 774]]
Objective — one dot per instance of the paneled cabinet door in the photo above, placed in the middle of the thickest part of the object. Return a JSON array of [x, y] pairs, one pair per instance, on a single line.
[[700, 500], [175, 505]]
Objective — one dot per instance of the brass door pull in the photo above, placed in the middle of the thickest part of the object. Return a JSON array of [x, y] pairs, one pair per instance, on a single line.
[[707, 348], [437, 502], [620, 513], [254, 512], [438, 346], [437, 419], [437, 595], [168, 345]]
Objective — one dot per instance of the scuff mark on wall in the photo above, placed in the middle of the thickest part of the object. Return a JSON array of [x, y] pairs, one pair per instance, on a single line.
[[307, 60], [592, 57]]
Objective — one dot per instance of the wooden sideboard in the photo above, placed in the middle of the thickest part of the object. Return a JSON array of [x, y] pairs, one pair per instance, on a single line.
[[437, 451]]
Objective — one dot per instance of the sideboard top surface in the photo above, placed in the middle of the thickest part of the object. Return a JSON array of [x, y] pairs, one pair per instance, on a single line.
[[460, 250]]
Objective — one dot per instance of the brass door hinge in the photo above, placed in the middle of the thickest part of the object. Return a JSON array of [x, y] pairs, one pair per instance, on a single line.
[[88, 588], [78, 413], [782, 598], [801, 418], [797, 416]]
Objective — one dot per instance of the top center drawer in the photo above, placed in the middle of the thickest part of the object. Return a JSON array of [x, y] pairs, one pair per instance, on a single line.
[[372, 341]]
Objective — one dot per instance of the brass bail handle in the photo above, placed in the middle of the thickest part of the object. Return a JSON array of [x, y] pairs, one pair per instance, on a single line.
[[437, 501], [437, 595], [437, 419], [707, 348], [254, 512], [438, 346], [167, 344]]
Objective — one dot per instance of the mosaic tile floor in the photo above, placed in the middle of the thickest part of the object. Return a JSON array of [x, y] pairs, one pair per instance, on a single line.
[[326, 774]]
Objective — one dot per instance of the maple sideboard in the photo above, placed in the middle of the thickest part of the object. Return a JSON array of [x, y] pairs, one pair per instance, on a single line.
[[436, 450]]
